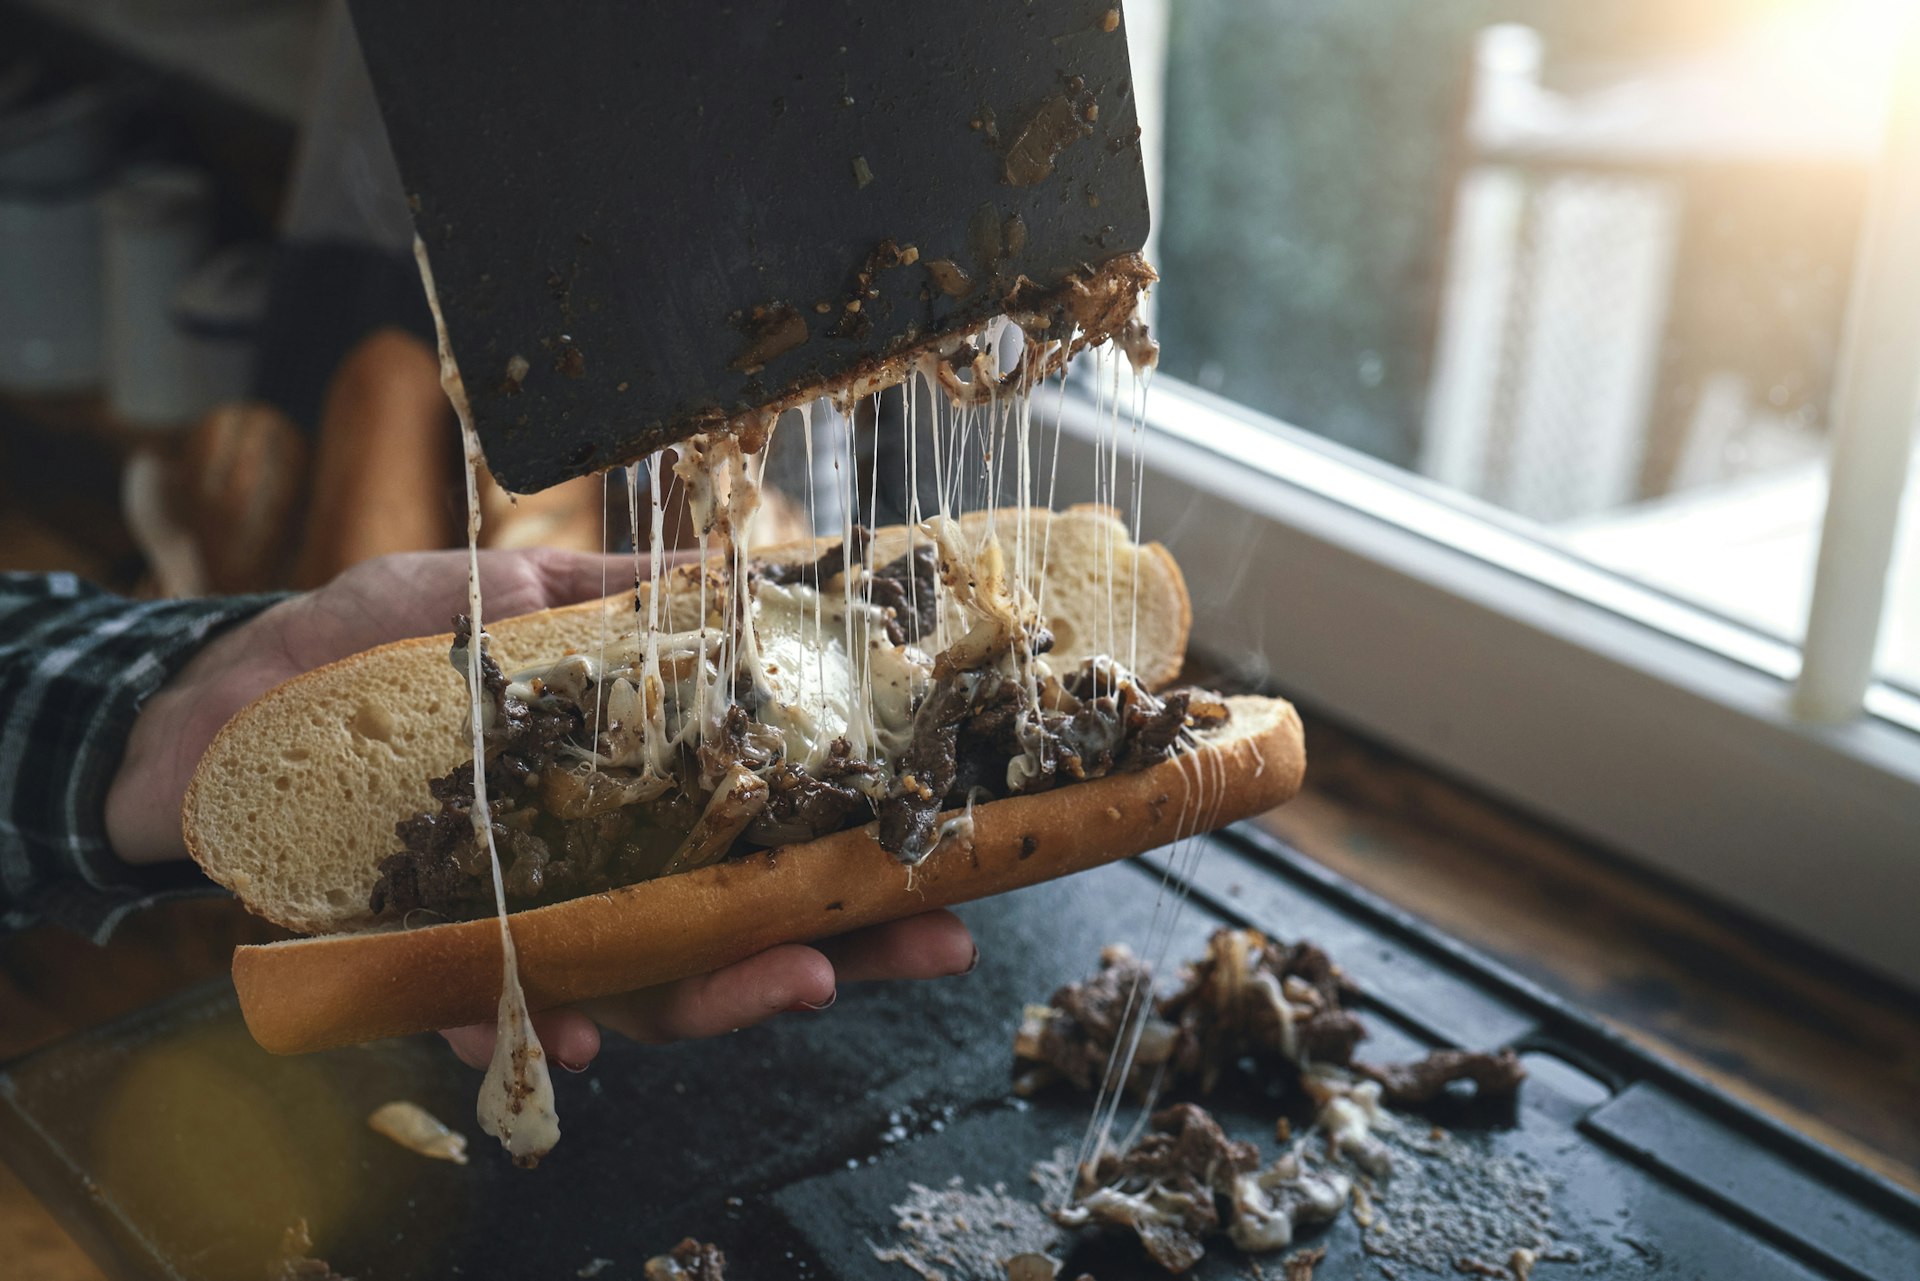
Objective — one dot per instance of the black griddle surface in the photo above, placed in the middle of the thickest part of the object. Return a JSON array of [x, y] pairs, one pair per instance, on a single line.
[[170, 1146]]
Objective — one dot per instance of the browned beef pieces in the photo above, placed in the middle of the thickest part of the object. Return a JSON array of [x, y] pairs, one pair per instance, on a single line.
[[1073, 1036], [909, 815], [1224, 1012], [741, 740], [1228, 1007], [816, 572], [493, 681], [430, 878], [1163, 1188], [907, 587], [1125, 727], [594, 849], [440, 865], [1156, 731], [1227, 1011], [801, 806], [970, 727], [1495, 1075]]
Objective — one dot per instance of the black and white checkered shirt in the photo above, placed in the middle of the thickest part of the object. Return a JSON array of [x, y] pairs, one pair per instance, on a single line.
[[76, 663]]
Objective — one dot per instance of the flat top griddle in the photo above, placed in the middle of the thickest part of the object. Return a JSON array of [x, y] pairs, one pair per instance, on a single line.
[[171, 1147]]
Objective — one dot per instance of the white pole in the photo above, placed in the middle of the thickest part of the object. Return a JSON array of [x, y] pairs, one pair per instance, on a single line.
[[1876, 397], [1147, 22]]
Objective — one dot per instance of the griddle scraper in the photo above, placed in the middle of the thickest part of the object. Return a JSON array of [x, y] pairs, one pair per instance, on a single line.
[[647, 218]]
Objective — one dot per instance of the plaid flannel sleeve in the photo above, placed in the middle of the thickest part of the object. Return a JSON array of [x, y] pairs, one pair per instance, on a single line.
[[76, 664]]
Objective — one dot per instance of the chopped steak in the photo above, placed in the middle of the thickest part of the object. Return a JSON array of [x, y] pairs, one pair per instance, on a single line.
[[1494, 1075], [815, 574], [1253, 996], [1073, 1035], [907, 587], [1163, 1188], [929, 768], [801, 806], [1168, 1189], [568, 822], [1249, 997]]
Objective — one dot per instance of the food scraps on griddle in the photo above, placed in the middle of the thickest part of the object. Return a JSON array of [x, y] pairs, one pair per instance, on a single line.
[[1249, 997], [1167, 1188], [691, 1260], [418, 1130]]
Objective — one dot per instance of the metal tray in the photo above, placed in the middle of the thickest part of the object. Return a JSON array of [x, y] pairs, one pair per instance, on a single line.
[[170, 1146]]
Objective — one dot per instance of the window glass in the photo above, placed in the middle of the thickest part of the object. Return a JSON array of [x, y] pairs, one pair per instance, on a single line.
[[1587, 263]]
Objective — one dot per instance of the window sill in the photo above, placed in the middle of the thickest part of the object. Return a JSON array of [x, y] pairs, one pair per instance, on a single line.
[[1645, 956], [1634, 720]]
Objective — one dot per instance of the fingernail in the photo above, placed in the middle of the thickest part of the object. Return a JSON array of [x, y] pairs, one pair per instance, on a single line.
[[570, 1067], [805, 1007], [974, 964]]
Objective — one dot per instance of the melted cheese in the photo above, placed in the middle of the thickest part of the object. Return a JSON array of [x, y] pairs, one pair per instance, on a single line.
[[516, 1098], [809, 682], [817, 664]]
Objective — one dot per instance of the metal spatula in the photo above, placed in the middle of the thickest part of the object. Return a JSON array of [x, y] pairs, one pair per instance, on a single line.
[[643, 217]]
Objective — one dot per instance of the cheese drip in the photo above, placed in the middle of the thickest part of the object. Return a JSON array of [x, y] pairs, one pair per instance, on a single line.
[[516, 1098], [667, 688]]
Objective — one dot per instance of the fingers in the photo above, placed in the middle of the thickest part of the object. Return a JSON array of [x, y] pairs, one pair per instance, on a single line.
[[569, 576], [569, 1037], [791, 977], [929, 946]]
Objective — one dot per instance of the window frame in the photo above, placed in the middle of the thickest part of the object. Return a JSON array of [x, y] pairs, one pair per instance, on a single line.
[[1448, 631]]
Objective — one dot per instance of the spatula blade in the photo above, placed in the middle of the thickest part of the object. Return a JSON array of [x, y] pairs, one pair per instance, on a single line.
[[644, 218]]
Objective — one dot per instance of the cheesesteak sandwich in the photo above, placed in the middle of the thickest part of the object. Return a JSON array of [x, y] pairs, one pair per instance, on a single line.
[[740, 753]]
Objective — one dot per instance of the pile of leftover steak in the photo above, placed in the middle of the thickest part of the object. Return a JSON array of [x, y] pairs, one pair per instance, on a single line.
[[691, 1260], [1424, 1080], [1248, 997], [1168, 1188], [1091, 722]]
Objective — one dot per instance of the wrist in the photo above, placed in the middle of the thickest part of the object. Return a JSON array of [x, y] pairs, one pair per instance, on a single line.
[[170, 732]]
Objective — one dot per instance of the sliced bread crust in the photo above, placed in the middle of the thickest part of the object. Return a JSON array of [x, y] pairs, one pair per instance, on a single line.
[[311, 994]]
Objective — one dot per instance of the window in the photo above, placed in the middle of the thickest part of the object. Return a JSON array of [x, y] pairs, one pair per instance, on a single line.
[[1507, 360]]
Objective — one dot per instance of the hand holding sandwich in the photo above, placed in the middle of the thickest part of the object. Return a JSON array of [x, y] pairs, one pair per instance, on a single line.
[[417, 594]]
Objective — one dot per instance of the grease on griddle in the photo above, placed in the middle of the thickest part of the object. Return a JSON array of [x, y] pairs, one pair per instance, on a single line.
[[772, 329]]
